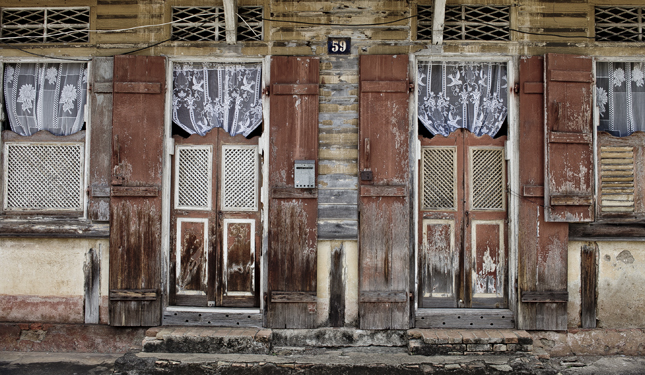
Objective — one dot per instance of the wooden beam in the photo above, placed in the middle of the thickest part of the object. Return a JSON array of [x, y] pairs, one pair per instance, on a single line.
[[438, 18], [54, 229], [622, 231], [92, 271], [230, 17], [588, 277]]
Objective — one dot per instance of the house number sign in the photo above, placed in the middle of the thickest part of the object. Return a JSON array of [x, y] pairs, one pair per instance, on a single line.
[[339, 46]]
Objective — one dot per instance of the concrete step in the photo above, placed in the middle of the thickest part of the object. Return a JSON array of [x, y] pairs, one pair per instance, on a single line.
[[303, 341]]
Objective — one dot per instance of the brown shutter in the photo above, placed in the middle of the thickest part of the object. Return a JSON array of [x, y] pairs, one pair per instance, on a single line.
[[135, 207], [101, 138], [542, 263], [292, 211], [569, 187], [384, 253]]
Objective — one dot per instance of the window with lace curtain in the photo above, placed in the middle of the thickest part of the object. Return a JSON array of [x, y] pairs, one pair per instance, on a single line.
[[620, 104], [43, 137]]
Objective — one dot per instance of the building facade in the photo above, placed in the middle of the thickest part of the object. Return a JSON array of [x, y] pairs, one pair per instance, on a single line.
[[301, 164]]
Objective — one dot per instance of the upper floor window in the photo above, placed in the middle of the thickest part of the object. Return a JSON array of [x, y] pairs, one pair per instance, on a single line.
[[424, 22], [207, 24], [476, 22], [45, 25], [620, 24]]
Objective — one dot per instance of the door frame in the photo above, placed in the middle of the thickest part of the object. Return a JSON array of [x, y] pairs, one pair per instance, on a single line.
[[167, 184], [511, 151]]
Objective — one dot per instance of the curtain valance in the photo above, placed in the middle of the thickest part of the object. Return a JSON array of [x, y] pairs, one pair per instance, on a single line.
[[48, 96], [210, 95], [455, 95]]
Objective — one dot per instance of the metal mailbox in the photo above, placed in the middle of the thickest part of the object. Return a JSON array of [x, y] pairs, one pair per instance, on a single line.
[[304, 174]]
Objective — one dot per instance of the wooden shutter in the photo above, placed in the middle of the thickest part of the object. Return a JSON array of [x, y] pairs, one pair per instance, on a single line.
[[292, 211], [135, 207], [100, 138], [384, 253], [543, 246], [569, 187]]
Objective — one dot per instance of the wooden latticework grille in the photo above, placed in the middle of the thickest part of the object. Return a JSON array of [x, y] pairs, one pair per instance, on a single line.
[[239, 178], [487, 176], [249, 23], [43, 176], [45, 25], [424, 22], [439, 178], [619, 24], [476, 22], [194, 176], [196, 24], [617, 180]]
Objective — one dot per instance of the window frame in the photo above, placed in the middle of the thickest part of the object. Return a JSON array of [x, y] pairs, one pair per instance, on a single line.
[[45, 24], [608, 217], [77, 215]]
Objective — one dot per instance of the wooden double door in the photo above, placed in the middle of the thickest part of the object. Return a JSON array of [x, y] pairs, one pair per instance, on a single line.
[[462, 255], [215, 218]]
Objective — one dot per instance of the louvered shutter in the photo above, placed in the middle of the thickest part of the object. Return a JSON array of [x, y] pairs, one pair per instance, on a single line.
[[135, 207], [292, 211], [569, 187], [384, 253], [543, 246]]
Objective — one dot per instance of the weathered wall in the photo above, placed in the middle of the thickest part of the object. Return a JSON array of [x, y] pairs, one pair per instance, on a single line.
[[43, 279], [621, 284]]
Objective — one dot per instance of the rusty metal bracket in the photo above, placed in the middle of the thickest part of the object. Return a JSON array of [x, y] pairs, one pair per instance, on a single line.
[[266, 91]]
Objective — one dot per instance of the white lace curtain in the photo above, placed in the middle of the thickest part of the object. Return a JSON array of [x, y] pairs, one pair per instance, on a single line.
[[455, 95], [47, 96], [208, 95], [620, 97]]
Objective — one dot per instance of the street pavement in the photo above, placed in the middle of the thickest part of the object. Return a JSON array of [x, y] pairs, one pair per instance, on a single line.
[[324, 362]]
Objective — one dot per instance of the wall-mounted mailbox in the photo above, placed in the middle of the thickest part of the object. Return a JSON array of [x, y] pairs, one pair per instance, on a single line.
[[305, 174]]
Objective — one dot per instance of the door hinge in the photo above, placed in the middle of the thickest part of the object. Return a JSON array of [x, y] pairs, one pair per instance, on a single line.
[[266, 91]]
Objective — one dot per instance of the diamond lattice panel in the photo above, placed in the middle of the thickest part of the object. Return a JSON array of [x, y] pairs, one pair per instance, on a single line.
[[239, 178], [194, 171], [487, 178], [48, 25], [249, 25], [41, 176], [619, 24], [196, 24], [439, 180], [477, 22], [424, 22]]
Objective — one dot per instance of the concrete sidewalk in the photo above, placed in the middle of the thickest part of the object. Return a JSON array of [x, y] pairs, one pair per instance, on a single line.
[[323, 363]]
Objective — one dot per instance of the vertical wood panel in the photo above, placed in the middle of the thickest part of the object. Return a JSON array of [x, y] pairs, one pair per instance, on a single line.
[[192, 261], [542, 250], [292, 222], [100, 138], [239, 257], [135, 222], [384, 253], [437, 263], [588, 287]]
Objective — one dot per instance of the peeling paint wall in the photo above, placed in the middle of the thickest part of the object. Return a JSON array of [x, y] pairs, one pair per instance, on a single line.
[[42, 279], [620, 284]]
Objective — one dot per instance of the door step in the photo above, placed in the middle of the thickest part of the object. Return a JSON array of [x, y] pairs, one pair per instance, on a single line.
[[224, 340]]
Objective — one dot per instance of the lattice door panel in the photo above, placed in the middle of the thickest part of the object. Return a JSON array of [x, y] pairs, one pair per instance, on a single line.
[[43, 176], [193, 177], [439, 178], [195, 24], [239, 178], [487, 176]]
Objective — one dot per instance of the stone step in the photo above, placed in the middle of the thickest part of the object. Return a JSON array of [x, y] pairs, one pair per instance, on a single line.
[[224, 340]]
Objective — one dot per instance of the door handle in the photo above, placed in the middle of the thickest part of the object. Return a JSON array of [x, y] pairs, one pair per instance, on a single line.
[[367, 153]]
